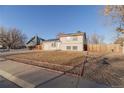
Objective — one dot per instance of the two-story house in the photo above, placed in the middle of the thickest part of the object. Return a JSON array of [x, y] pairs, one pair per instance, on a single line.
[[73, 41], [67, 42]]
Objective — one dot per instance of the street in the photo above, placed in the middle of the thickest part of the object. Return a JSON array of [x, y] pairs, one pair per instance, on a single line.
[[4, 83]]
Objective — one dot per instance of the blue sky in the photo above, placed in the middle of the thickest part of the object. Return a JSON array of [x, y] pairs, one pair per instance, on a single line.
[[47, 21]]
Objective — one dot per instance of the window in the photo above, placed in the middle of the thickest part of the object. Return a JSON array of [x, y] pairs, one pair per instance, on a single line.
[[68, 47], [68, 38], [71, 38], [75, 47], [75, 38], [53, 44]]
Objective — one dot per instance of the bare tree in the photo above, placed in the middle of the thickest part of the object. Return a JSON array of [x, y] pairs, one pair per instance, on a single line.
[[119, 41], [3, 37], [12, 38], [116, 13], [95, 39]]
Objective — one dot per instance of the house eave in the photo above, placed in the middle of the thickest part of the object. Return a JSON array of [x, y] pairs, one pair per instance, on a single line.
[[72, 34]]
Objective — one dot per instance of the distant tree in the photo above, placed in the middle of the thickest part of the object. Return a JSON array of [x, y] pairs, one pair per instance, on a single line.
[[12, 38], [119, 40], [95, 39], [116, 14], [3, 37]]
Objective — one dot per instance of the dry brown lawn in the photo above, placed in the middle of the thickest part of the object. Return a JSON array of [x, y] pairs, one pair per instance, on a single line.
[[111, 74], [54, 57]]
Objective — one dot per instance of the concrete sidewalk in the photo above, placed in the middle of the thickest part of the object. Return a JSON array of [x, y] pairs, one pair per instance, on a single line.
[[30, 76]]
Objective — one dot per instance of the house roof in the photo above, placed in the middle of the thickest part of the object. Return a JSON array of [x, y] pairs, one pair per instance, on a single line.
[[72, 34], [51, 40], [35, 40]]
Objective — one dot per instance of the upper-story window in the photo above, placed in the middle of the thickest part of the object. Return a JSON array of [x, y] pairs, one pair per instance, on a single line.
[[75, 38], [71, 38]]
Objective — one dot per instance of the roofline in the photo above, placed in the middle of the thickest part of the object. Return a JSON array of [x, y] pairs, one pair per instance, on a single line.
[[50, 40], [34, 38], [73, 34]]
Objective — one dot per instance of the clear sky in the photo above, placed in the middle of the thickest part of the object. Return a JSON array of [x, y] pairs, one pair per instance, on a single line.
[[47, 21]]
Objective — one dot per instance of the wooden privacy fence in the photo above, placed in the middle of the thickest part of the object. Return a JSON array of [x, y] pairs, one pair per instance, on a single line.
[[105, 48]]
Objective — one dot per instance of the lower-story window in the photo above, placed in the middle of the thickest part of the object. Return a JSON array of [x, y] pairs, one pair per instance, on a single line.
[[68, 47], [53, 44], [75, 48]]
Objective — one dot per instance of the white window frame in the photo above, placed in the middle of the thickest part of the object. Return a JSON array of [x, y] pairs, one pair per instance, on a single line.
[[67, 48], [75, 47], [75, 39]]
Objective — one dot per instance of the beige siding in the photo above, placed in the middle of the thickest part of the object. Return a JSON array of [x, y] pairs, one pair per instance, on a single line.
[[79, 47], [68, 41]]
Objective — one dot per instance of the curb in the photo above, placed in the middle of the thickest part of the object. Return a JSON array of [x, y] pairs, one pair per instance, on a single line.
[[16, 80]]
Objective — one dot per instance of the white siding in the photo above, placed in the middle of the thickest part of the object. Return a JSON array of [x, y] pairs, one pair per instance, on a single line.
[[48, 45], [76, 43]]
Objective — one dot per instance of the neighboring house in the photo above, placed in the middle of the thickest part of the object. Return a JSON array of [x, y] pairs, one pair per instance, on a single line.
[[67, 42], [33, 42]]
